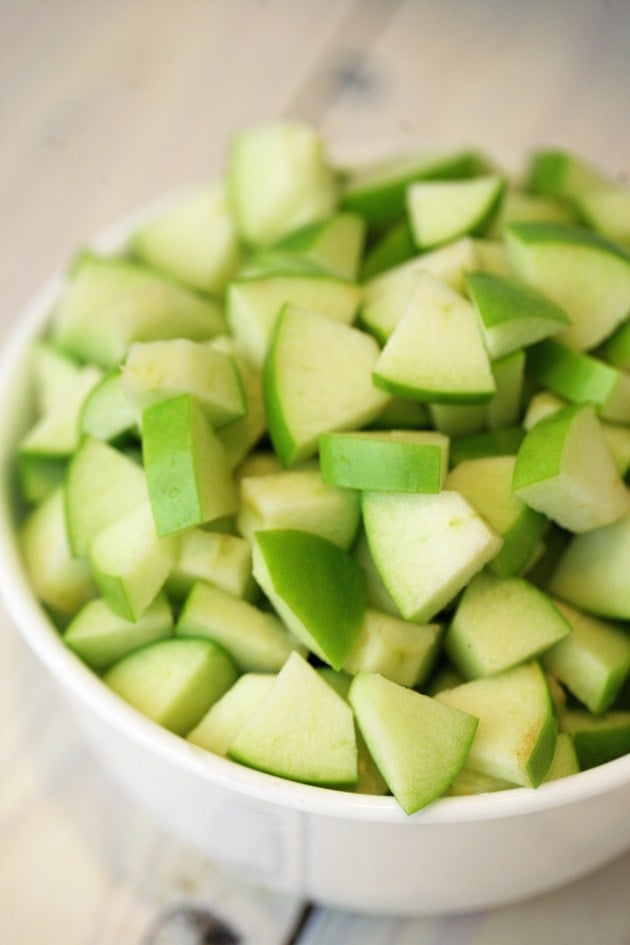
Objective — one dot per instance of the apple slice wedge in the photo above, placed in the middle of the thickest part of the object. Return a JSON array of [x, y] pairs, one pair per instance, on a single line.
[[426, 547], [554, 475], [318, 589], [317, 379], [512, 315], [441, 211], [302, 730], [413, 364], [516, 737], [418, 744]]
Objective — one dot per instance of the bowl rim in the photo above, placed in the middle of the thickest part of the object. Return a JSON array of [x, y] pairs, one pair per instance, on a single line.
[[39, 632]]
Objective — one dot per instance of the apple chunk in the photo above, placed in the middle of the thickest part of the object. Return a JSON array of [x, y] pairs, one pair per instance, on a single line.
[[318, 589], [418, 744], [187, 470], [426, 547], [302, 730], [554, 474]]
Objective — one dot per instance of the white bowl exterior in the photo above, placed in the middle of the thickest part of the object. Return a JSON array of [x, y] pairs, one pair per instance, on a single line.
[[361, 853]]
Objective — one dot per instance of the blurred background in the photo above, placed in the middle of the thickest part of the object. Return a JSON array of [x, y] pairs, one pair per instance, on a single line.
[[104, 105]]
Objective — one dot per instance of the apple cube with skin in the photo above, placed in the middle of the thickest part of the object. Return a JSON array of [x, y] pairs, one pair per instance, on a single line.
[[577, 487], [101, 484], [278, 180], [318, 590], [426, 547], [581, 378], [559, 173], [60, 580], [186, 466], [254, 303], [499, 623], [597, 738], [174, 682], [218, 728], [317, 379], [101, 637], [130, 562], [512, 315], [256, 640], [302, 730], [194, 242], [586, 275], [412, 363], [418, 744], [487, 484], [593, 662], [378, 191], [392, 460], [334, 244], [110, 302], [298, 498], [397, 649], [219, 558], [158, 370], [387, 295], [592, 572], [516, 737], [440, 211]]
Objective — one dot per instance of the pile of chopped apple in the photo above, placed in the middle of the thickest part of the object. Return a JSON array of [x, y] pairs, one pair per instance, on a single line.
[[328, 472]]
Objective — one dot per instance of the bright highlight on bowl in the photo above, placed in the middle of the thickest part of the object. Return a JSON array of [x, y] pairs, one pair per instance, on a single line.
[[324, 472]]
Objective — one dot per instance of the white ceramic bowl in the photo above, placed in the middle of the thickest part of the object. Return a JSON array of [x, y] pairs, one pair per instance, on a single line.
[[352, 851]]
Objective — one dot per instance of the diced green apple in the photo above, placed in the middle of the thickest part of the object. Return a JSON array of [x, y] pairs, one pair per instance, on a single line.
[[218, 728], [516, 737], [512, 315], [336, 244], [387, 295], [174, 682], [102, 484], [298, 498], [586, 275], [441, 211], [593, 662], [559, 173], [592, 572], [302, 730], [111, 302], [317, 379], [254, 303], [397, 649], [130, 562], [418, 744], [158, 370], [59, 579], [499, 623], [597, 738], [581, 378], [193, 241], [487, 484], [393, 460], [318, 590], [554, 474], [187, 471], [426, 547], [101, 637], [412, 363], [378, 190], [256, 640], [278, 180]]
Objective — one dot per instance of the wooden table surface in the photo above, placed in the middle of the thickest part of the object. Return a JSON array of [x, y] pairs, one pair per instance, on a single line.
[[105, 104]]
